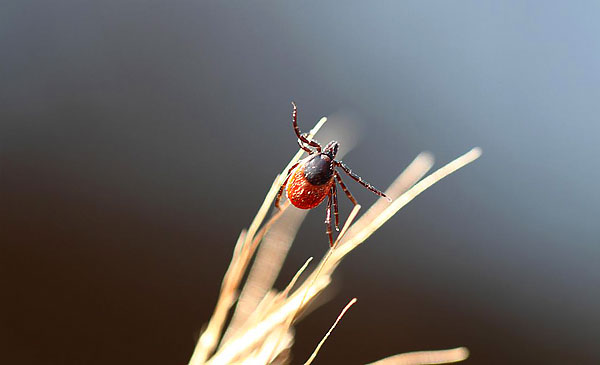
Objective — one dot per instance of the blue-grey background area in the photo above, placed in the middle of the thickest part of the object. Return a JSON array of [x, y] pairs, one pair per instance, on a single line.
[[139, 137]]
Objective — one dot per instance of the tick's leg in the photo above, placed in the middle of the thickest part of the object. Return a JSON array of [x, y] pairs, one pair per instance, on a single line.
[[301, 137], [335, 206], [308, 150], [284, 184], [328, 220], [359, 180], [348, 193]]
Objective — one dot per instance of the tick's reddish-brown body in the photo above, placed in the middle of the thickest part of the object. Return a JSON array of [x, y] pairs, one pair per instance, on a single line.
[[313, 179], [303, 194]]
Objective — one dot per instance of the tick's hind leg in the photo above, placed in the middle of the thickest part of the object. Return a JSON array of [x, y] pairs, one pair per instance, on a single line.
[[328, 220]]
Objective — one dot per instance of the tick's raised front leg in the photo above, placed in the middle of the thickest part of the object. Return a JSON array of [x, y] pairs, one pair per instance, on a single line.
[[301, 136]]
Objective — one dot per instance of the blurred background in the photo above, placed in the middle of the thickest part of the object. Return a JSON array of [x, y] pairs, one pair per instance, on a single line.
[[139, 137]]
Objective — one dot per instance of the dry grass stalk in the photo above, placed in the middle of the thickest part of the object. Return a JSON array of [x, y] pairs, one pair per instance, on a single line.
[[260, 330], [267, 264], [426, 357], [314, 354], [291, 318]]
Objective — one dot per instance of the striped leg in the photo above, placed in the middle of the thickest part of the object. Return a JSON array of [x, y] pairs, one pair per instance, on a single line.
[[301, 137], [348, 193], [308, 150], [359, 179]]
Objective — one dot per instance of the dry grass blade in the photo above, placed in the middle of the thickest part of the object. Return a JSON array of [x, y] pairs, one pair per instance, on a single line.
[[209, 337], [347, 225], [349, 221], [410, 176], [263, 308], [289, 287], [314, 354], [267, 265], [284, 328], [255, 335], [352, 241], [315, 275], [426, 357], [264, 353]]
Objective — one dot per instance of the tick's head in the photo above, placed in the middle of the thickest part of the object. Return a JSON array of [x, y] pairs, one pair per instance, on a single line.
[[331, 149]]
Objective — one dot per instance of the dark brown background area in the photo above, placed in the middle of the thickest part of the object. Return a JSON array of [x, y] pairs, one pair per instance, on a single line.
[[139, 137]]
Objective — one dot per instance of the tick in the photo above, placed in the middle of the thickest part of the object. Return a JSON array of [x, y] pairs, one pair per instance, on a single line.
[[311, 180]]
